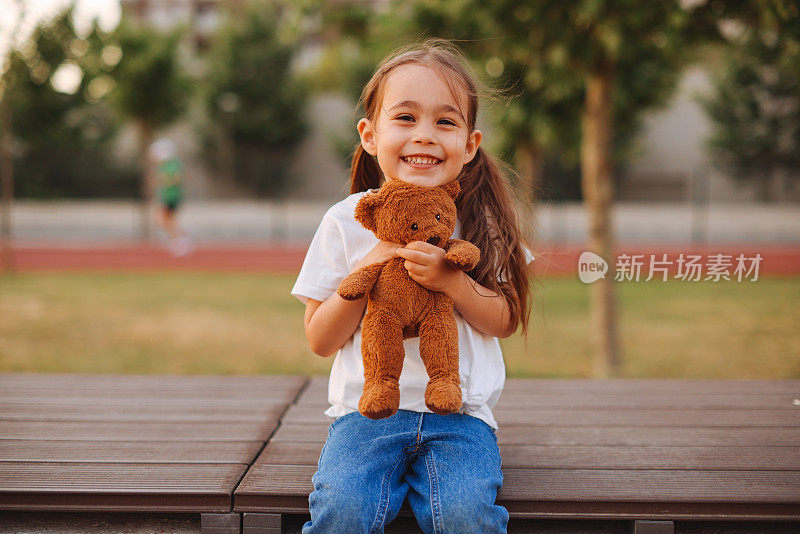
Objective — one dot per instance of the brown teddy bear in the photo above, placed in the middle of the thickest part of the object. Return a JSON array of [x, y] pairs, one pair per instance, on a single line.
[[398, 307]]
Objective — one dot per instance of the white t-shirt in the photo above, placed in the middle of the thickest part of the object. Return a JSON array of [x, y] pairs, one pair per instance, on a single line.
[[339, 244]]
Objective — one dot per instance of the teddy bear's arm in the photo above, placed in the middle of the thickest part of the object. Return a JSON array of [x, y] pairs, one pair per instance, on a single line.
[[356, 285], [462, 254]]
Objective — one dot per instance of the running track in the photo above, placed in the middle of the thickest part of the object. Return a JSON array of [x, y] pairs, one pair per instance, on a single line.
[[551, 260]]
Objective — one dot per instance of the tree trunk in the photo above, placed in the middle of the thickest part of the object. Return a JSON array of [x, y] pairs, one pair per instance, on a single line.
[[147, 182], [226, 149], [598, 192], [529, 158], [6, 181]]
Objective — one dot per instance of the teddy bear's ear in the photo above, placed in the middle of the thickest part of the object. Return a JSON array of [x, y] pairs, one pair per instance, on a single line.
[[452, 188], [365, 210]]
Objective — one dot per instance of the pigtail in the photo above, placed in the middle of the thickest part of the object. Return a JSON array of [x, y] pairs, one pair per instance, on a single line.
[[364, 171], [489, 220]]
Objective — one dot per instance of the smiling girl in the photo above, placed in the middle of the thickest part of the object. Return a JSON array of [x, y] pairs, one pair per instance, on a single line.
[[420, 107]]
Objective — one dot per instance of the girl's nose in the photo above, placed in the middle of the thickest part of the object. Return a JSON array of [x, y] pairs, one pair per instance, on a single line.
[[423, 135]]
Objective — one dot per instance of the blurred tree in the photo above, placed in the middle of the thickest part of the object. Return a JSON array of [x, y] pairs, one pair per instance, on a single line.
[[61, 127], [755, 108], [620, 50], [253, 97], [63, 130], [151, 90]]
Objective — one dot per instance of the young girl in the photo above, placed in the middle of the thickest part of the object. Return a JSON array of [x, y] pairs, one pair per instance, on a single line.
[[419, 127]]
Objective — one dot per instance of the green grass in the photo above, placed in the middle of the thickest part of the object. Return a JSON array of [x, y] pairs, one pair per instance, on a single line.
[[248, 323]]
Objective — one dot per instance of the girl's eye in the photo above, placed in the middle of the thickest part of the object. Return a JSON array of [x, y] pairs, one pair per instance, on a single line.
[[438, 218], [404, 118], [448, 122], [414, 226]]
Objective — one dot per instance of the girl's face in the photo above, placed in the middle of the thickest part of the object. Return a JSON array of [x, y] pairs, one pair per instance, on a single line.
[[419, 134]]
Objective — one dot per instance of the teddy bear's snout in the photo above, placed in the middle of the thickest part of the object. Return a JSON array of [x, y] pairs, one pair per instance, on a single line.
[[434, 240]]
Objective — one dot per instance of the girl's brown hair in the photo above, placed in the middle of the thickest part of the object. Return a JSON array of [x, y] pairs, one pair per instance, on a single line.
[[486, 206]]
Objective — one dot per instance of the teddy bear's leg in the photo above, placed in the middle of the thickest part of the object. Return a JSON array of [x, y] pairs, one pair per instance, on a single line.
[[438, 347], [383, 353]]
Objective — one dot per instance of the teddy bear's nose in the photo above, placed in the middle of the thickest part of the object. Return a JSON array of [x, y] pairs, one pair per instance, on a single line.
[[434, 240]]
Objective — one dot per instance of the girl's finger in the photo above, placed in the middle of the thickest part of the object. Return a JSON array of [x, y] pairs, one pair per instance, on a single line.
[[413, 268], [422, 246], [414, 255]]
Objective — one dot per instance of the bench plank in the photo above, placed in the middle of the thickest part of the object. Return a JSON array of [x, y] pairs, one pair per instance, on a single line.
[[590, 457], [603, 435], [614, 417], [131, 413], [587, 492], [530, 484], [226, 452], [228, 384], [141, 431], [117, 487]]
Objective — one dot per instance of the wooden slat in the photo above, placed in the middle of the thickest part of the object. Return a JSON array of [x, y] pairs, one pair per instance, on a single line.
[[599, 401], [112, 412], [596, 436], [288, 431], [612, 417], [622, 435], [226, 452], [141, 431], [533, 485], [145, 383], [182, 398], [591, 457], [669, 388], [661, 418], [178, 397], [118, 487]]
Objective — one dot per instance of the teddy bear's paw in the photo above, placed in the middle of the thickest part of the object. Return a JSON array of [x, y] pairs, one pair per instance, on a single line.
[[349, 290], [380, 399], [350, 295], [460, 260], [443, 396]]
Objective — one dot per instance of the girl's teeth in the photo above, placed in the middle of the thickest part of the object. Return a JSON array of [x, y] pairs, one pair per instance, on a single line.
[[421, 161]]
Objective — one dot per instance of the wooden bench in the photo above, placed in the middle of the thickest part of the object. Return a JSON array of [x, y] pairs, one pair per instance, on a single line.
[[657, 450], [238, 452]]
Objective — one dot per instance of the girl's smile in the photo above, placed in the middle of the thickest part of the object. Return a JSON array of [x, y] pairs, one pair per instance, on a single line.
[[420, 135]]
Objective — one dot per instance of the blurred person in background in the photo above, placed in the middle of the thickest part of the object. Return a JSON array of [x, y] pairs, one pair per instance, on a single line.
[[169, 176]]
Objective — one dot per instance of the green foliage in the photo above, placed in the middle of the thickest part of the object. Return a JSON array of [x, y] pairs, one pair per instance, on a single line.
[[253, 95], [755, 107], [149, 84], [62, 141]]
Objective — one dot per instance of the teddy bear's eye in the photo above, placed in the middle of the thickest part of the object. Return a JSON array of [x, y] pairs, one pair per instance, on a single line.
[[438, 218], [414, 226]]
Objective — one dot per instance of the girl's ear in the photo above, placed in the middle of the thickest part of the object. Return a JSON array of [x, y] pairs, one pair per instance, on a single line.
[[452, 188], [367, 134], [473, 144], [365, 210]]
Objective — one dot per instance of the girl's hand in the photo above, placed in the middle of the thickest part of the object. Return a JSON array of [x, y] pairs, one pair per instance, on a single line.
[[384, 250], [426, 265]]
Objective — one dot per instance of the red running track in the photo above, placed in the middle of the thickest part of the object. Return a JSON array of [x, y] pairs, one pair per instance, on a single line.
[[551, 260]]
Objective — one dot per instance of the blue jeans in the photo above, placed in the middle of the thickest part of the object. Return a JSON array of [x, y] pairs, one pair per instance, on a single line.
[[447, 465]]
